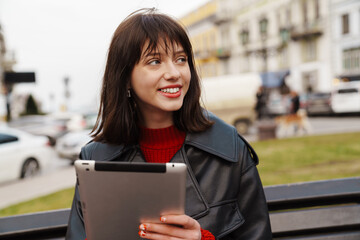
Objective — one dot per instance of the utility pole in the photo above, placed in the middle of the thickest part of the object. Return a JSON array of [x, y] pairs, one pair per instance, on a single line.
[[66, 93]]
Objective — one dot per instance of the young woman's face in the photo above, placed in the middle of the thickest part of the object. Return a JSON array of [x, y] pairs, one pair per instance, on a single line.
[[160, 81]]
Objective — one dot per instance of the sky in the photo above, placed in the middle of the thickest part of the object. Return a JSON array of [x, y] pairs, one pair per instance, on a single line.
[[69, 38]]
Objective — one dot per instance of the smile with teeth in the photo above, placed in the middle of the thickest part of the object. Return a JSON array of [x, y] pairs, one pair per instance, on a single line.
[[170, 90]]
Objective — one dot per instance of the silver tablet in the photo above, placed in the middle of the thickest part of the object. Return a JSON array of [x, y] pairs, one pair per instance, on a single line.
[[117, 196]]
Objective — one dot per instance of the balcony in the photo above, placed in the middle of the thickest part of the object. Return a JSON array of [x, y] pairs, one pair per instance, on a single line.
[[222, 52], [222, 17], [203, 54], [308, 30]]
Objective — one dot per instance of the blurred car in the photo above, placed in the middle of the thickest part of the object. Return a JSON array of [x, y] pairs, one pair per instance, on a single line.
[[81, 121], [69, 145], [22, 154], [346, 97], [277, 104], [43, 125], [318, 103]]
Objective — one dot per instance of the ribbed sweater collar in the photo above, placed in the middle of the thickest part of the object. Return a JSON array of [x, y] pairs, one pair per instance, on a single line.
[[161, 138]]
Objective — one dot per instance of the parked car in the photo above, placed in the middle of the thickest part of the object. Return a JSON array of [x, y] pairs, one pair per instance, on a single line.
[[81, 121], [42, 125], [232, 98], [278, 104], [318, 103], [346, 97], [69, 145], [22, 154]]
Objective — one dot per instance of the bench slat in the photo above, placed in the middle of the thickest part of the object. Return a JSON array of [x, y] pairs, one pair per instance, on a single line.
[[309, 194], [31, 224], [330, 219]]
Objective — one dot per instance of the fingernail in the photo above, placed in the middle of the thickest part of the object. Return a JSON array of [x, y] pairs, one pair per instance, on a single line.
[[142, 233], [142, 227], [163, 219]]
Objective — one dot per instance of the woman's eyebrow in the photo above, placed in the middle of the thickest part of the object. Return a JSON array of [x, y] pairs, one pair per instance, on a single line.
[[179, 52], [151, 54]]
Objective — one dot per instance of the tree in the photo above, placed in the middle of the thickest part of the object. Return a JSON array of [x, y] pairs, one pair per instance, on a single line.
[[31, 107]]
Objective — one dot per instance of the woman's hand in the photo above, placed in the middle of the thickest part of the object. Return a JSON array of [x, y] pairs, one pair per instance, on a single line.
[[171, 227]]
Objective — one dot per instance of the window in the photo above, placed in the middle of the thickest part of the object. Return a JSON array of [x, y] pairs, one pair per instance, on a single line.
[[283, 57], [244, 33], [317, 9], [345, 23], [347, 90], [288, 15], [305, 12], [310, 50], [244, 36], [5, 138], [351, 60], [263, 27]]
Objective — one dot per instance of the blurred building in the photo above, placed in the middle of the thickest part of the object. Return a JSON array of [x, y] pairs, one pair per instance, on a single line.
[[203, 31], [6, 64], [2, 70], [274, 38], [346, 38]]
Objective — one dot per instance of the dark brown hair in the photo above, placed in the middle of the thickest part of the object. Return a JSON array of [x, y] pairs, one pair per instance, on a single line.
[[118, 116]]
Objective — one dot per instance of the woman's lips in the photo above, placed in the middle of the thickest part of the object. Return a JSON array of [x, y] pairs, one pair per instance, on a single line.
[[171, 92]]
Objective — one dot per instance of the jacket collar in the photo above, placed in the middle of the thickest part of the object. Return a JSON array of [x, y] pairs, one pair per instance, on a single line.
[[220, 139]]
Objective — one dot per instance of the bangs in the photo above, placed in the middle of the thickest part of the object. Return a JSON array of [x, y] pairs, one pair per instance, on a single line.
[[162, 32]]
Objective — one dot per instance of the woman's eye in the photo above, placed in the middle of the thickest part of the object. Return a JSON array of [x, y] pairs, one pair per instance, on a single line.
[[154, 62], [181, 59]]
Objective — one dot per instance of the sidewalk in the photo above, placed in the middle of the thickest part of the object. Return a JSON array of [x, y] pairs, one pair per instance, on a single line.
[[28, 189]]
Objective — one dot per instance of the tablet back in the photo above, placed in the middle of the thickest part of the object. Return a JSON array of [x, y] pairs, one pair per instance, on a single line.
[[117, 196]]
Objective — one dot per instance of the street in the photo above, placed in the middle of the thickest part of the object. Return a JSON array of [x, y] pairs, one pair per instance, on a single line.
[[62, 175], [320, 125]]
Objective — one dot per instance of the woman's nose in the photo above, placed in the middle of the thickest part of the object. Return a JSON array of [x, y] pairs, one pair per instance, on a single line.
[[171, 72]]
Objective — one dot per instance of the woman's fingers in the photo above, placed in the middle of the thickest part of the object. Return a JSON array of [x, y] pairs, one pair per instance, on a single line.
[[172, 227], [183, 220]]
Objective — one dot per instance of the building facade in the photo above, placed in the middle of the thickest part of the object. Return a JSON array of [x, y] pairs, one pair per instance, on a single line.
[[203, 35], [2, 87], [273, 38], [346, 38]]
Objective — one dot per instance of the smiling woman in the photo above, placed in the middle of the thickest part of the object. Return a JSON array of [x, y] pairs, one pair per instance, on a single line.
[[150, 112], [160, 82]]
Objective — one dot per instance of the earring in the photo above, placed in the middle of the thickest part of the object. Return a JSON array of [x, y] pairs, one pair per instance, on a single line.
[[128, 93]]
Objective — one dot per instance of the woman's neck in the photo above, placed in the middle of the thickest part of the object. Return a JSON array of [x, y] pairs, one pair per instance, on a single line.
[[157, 120]]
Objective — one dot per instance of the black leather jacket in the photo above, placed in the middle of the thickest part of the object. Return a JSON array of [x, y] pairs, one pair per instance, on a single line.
[[224, 192]]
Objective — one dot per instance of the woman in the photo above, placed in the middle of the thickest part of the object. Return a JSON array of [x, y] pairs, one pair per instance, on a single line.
[[150, 112]]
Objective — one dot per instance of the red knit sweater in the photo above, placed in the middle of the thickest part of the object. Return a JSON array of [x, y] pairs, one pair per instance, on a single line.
[[159, 146]]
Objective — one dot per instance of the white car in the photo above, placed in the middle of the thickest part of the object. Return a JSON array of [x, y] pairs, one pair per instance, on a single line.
[[22, 154], [346, 97], [69, 145]]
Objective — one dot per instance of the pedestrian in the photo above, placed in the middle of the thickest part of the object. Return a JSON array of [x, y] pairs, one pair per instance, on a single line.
[[295, 102], [260, 106], [150, 112]]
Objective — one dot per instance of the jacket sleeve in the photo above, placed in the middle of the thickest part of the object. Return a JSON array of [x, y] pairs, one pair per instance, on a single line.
[[252, 202], [76, 228]]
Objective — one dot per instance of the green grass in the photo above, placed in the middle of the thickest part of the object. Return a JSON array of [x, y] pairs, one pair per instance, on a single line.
[[309, 158], [282, 161], [58, 200]]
